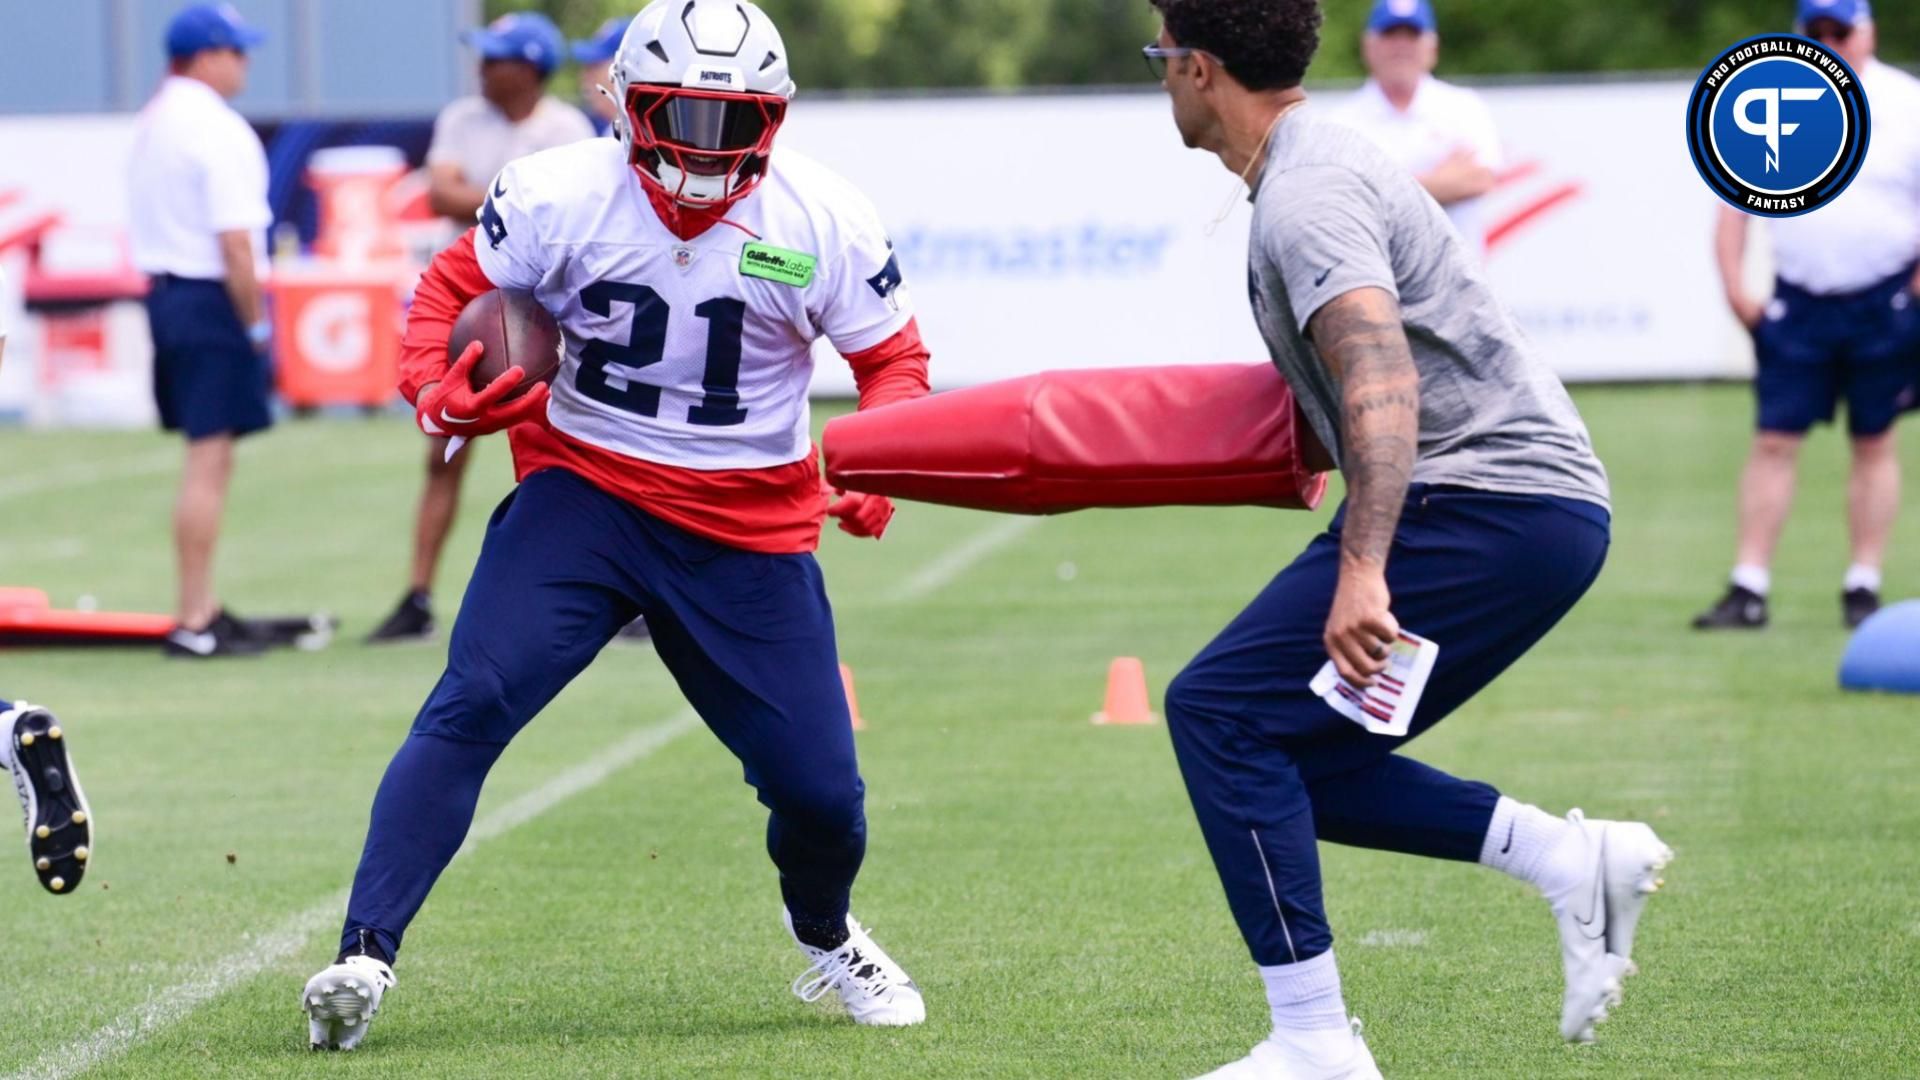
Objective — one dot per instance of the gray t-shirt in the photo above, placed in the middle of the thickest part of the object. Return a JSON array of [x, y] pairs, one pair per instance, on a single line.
[[478, 137], [1333, 214]]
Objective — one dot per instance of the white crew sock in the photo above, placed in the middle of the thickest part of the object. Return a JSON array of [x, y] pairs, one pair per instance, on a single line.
[[1528, 843], [1862, 576], [1309, 1015], [6, 738], [1754, 579]]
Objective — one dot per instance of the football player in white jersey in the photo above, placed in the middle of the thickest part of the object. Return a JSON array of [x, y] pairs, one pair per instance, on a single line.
[[669, 473]]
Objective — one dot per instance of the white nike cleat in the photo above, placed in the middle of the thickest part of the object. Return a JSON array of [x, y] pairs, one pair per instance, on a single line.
[[875, 990], [1598, 919], [59, 822], [1276, 1060], [342, 1001], [1635, 857]]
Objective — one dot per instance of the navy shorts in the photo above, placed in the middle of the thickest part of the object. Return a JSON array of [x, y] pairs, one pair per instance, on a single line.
[[207, 377], [1814, 350]]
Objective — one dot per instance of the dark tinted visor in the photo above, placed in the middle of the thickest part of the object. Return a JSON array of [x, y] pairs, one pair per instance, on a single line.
[[702, 123]]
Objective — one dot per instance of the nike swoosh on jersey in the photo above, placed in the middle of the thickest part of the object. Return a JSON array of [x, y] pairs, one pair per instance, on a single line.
[[1324, 274], [499, 189]]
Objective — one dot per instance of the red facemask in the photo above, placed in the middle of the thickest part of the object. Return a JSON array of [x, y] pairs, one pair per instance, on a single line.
[[701, 149]]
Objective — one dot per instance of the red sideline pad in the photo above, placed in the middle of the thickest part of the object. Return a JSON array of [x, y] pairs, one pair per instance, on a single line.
[[1212, 435], [26, 618]]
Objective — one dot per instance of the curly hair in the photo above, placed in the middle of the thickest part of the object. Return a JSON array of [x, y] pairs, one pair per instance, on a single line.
[[1265, 44]]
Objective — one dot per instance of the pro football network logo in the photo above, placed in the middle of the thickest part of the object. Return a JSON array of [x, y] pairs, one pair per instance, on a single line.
[[1778, 125]]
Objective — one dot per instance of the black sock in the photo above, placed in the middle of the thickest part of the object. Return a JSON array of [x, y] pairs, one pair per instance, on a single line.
[[365, 945], [828, 934]]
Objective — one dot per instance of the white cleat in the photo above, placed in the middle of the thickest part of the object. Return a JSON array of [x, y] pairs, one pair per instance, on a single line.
[[875, 990], [1597, 922], [342, 1001], [1276, 1060]]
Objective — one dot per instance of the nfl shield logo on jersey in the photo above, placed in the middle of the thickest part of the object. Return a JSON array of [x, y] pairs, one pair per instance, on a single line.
[[683, 257]]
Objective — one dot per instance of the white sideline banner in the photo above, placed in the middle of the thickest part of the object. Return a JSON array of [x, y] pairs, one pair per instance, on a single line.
[[1074, 230]]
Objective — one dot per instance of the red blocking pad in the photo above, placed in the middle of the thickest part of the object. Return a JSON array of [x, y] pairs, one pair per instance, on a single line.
[[26, 618], [1199, 435]]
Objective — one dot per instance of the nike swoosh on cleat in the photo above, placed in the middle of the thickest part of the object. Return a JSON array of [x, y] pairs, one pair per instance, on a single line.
[[1597, 905]]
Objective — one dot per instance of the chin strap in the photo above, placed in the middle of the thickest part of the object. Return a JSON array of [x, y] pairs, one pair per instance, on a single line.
[[686, 222]]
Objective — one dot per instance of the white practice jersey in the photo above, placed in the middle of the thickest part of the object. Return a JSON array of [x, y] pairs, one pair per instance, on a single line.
[[693, 353]]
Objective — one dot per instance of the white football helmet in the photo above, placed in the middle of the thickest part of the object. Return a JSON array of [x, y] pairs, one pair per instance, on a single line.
[[702, 87]]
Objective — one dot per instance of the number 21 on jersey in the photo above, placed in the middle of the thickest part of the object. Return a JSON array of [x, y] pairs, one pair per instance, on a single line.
[[607, 368]]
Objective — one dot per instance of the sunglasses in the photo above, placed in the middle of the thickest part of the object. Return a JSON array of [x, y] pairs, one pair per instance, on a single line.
[[1157, 56], [1829, 30]]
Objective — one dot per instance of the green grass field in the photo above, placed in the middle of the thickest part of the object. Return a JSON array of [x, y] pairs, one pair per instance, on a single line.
[[1041, 878]]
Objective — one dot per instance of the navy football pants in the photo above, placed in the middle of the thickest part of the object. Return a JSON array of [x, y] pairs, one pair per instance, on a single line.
[[748, 636], [1270, 767]]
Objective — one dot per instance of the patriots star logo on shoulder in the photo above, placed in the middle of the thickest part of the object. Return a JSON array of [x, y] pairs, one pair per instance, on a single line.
[[1778, 125]]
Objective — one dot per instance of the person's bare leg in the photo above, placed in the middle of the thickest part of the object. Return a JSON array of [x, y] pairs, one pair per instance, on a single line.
[[1766, 495], [439, 505], [1873, 502], [196, 526]]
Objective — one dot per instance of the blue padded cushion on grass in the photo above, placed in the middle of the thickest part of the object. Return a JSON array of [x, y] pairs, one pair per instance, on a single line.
[[1885, 651]]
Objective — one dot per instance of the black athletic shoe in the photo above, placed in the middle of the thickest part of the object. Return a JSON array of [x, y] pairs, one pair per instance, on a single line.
[[411, 621], [224, 636], [1740, 609], [59, 824], [1857, 604]]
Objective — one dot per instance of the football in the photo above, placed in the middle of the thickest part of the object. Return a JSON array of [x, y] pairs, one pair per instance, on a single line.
[[514, 330]]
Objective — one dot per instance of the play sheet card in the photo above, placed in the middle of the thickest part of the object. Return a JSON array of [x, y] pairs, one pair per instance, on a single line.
[[1386, 707]]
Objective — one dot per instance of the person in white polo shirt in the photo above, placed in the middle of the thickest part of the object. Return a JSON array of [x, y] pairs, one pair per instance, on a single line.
[[199, 214], [1843, 323], [1442, 132], [473, 139]]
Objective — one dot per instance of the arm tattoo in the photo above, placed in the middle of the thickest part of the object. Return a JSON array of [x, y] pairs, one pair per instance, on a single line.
[[1361, 339]]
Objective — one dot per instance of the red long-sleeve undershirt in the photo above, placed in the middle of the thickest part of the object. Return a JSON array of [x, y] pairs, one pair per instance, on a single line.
[[776, 510]]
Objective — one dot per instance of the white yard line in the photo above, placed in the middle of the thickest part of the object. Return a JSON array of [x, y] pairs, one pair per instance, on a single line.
[[286, 938], [961, 558]]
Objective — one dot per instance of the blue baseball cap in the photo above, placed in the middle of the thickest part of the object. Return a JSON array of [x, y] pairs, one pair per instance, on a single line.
[[1394, 14], [1844, 12], [605, 42], [523, 35], [209, 26]]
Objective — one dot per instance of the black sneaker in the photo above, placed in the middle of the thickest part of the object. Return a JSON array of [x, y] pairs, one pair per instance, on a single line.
[[1857, 604], [224, 636], [1740, 609], [59, 824], [411, 621]]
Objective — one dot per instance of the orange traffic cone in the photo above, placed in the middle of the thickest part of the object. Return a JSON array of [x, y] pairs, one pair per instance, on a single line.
[[1126, 694], [853, 703]]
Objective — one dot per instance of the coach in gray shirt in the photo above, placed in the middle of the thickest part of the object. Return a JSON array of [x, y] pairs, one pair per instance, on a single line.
[[1476, 516], [473, 139]]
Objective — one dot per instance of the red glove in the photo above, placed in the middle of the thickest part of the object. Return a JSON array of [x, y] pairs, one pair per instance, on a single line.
[[861, 515], [453, 407]]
